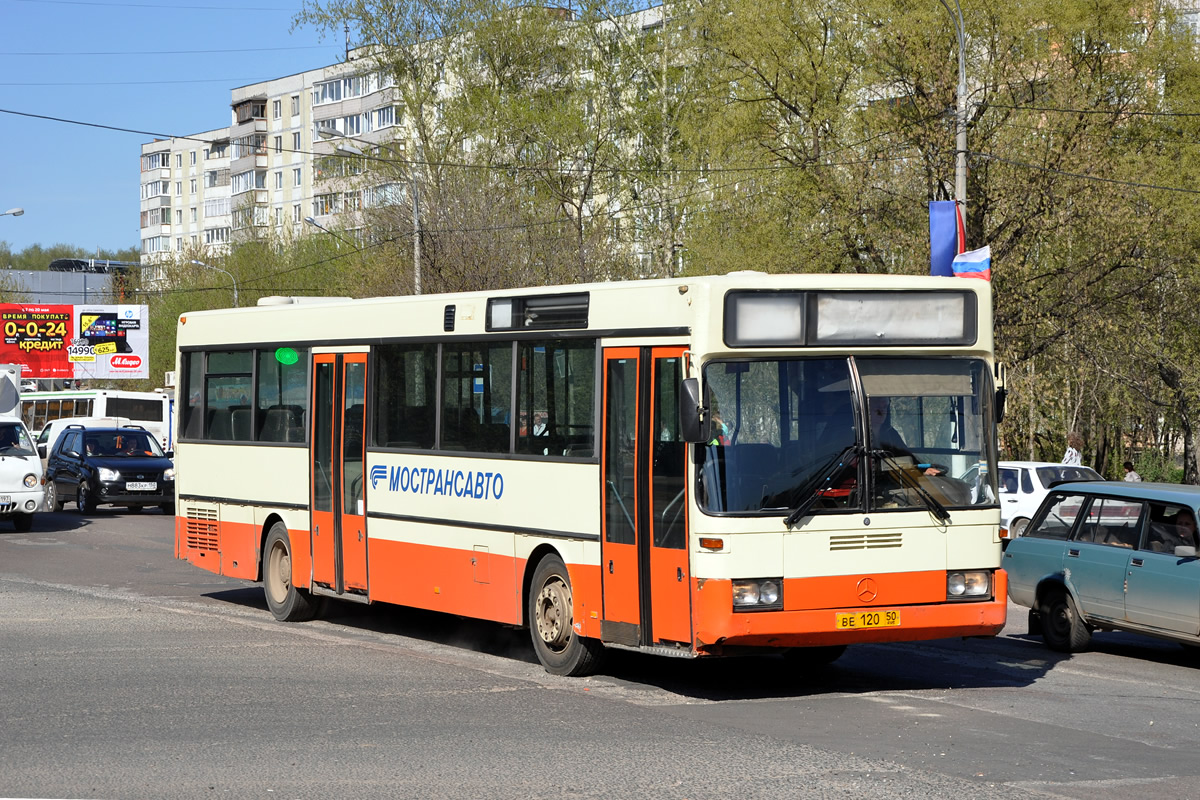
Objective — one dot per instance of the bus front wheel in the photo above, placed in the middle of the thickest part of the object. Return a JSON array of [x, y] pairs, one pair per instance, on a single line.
[[558, 647], [287, 603]]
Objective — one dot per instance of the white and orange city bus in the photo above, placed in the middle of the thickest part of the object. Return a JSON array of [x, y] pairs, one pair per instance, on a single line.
[[695, 466]]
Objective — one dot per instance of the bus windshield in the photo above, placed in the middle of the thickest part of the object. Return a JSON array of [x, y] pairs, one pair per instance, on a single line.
[[791, 432]]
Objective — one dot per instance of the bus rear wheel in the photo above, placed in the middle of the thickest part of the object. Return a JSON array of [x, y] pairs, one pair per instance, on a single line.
[[287, 603], [558, 647]]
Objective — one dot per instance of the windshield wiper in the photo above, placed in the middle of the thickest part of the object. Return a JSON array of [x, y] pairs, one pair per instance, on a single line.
[[827, 474], [909, 482]]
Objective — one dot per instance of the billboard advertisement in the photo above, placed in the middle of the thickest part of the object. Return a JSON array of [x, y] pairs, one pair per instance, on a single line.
[[76, 341]]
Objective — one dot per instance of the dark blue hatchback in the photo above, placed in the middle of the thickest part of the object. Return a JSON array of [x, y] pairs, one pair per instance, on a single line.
[[119, 466]]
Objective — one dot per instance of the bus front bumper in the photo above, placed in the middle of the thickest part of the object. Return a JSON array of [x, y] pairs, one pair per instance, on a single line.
[[718, 628]]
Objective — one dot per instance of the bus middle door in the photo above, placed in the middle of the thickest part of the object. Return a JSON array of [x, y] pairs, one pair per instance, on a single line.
[[644, 567], [338, 501]]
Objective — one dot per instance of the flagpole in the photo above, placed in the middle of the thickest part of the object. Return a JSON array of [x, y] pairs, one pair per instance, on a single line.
[[960, 162]]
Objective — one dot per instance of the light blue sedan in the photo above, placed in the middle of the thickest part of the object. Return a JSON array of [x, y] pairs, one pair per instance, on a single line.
[[1110, 556]]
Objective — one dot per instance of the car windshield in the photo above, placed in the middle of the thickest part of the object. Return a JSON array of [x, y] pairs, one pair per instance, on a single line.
[[1055, 474], [121, 444], [14, 440], [788, 429]]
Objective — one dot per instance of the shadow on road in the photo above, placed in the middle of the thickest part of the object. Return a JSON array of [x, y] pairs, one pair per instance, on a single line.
[[1004, 662]]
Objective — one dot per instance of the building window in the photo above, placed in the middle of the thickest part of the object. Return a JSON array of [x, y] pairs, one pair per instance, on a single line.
[[156, 161], [179, 244], [192, 186], [278, 215], [278, 180], [217, 207], [179, 216], [179, 188], [296, 213], [216, 236], [277, 109], [296, 142], [295, 104], [278, 144], [296, 176], [192, 158], [179, 159], [193, 210]]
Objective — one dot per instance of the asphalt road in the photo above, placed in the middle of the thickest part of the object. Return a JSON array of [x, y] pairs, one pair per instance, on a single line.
[[127, 674]]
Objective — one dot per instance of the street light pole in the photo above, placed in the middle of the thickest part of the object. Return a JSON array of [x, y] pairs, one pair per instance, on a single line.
[[13, 212], [960, 164], [227, 272], [318, 225]]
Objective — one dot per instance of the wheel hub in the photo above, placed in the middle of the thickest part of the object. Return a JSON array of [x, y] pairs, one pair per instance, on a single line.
[[554, 614]]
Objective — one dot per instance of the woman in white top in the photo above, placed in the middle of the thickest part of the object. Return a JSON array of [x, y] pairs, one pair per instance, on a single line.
[[1074, 445]]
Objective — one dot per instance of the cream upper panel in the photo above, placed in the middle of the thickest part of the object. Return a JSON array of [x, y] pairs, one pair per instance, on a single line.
[[692, 305]]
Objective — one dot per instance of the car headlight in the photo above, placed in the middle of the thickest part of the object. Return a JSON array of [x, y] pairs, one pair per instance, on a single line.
[[169, 474], [107, 474], [975, 583], [757, 594], [31, 481]]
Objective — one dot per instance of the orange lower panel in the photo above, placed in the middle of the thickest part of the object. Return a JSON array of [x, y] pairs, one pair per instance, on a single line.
[[718, 626], [233, 549], [445, 579]]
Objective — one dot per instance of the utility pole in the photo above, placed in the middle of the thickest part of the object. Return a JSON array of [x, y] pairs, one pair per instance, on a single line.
[[960, 164]]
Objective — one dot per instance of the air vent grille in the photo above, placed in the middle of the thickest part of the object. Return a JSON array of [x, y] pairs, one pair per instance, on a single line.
[[865, 541], [448, 319], [202, 529]]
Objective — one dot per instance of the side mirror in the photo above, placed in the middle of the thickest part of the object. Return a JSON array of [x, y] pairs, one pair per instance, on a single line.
[[694, 422], [41, 450], [169, 454], [1001, 391]]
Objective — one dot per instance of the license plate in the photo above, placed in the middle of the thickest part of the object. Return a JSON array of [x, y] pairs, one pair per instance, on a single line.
[[141, 486], [885, 618], [5, 498]]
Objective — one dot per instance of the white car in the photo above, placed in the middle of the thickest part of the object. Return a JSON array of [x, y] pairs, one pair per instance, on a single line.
[[1024, 484], [21, 486]]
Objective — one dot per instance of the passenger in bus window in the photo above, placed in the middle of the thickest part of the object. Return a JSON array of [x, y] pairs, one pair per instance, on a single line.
[[886, 437]]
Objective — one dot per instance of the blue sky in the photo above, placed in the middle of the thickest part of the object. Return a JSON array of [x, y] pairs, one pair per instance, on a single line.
[[79, 185]]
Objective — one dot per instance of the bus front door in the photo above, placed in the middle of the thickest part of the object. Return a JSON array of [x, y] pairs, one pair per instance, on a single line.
[[644, 567], [338, 501]]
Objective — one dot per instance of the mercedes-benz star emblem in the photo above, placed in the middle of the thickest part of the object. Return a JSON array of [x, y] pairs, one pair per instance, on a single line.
[[868, 590]]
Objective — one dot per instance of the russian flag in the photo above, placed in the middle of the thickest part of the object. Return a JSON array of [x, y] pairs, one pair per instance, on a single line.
[[974, 264]]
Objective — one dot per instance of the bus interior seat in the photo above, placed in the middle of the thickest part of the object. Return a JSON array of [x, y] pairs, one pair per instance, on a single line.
[[241, 422], [195, 427], [220, 424]]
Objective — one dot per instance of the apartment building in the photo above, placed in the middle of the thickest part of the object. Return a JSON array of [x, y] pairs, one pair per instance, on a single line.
[[272, 167]]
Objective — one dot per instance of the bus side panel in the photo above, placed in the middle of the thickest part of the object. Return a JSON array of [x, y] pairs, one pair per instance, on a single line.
[[717, 625], [587, 603], [454, 580], [239, 542]]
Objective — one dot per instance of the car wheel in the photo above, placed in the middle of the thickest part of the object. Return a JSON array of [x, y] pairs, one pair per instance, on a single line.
[[83, 499], [807, 658], [168, 509], [287, 603], [1017, 528], [1063, 629], [558, 647], [53, 501], [134, 509], [22, 522]]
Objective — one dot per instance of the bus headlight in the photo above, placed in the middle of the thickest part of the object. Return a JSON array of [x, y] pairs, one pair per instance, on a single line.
[[30, 481], [976, 583], [758, 594]]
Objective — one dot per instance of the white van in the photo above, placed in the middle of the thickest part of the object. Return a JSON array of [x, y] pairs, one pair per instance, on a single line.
[[22, 489]]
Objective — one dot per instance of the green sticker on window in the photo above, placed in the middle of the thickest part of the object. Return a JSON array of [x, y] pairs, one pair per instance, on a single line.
[[287, 356]]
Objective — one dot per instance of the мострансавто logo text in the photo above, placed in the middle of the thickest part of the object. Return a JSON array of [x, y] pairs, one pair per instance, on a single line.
[[446, 482]]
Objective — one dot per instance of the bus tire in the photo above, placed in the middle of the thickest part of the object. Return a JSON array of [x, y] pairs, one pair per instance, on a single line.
[[1063, 629], [23, 523], [558, 647], [286, 602], [813, 657]]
